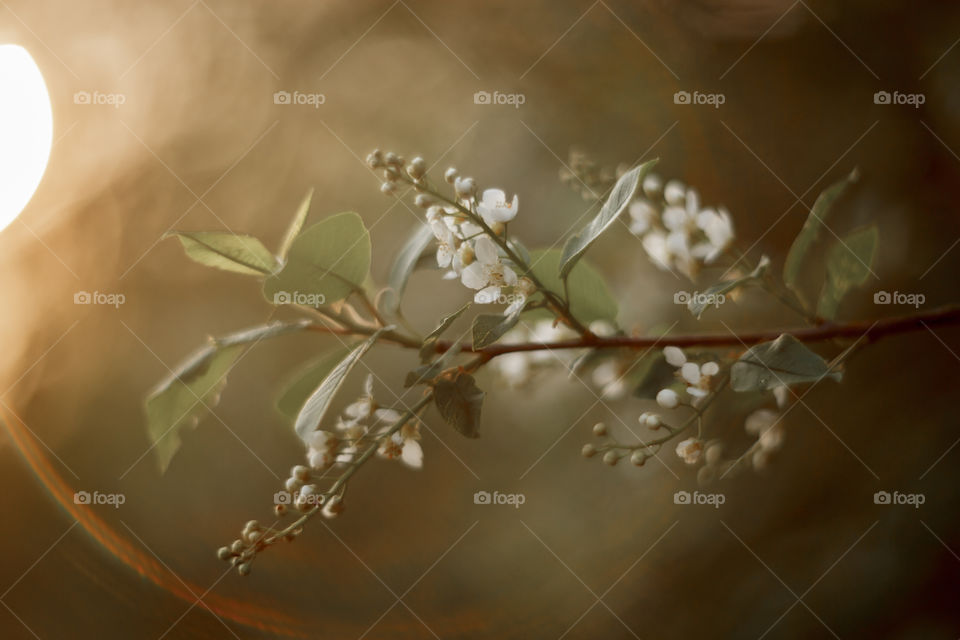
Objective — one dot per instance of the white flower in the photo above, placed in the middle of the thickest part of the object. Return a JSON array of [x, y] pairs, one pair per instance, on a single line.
[[652, 185], [487, 273], [320, 448], [643, 215], [403, 444], [655, 244], [608, 376], [446, 243], [697, 376], [523, 290], [690, 450], [493, 207], [668, 398], [674, 192], [718, 228]]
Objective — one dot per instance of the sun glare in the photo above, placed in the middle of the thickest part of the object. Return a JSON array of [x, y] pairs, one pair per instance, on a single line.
[[26, 130]]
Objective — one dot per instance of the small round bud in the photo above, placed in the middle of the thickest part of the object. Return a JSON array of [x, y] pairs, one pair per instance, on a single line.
[[675, 193], [714, 454], [293, 485], [611, 458], [333, 508], [375, 159], [599, 429], [417, 167], [300, 472], [254, 537], [652, 186], [280, 509], [391, 158], [465, 187], [244, 569], [224, 553], [450, 175], [588, 451], [638, 458], [252, 525], [388, 188], [423, 201], [668, 399], [236, 547]]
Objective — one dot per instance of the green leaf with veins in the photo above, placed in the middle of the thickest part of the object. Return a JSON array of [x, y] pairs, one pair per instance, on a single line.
[[330, 259], [296, 225], [617, 202], [404, 265], [699, 304], [227, 251], [459, 401], [590, 299], [784, 361]]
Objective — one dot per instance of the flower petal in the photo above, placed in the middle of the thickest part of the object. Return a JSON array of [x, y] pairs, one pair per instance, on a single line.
[[674, 356]]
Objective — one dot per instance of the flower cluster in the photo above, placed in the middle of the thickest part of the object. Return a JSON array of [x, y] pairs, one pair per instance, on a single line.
[[676, 233]]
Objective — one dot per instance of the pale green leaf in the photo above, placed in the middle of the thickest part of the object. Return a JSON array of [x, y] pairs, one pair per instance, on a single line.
[[711, 296], [488, 328], [616, 204], [811, 230], [327, 261], [848, 266], [590, 298], [429, 343], [227, 251], [315, 408], [784, 361], [404, 265], [299, 387], [296, 225]]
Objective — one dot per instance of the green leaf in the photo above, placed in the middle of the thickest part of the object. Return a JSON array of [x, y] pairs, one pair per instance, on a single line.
[[784, 361], [616, 204], [489, 328], [459, 401], [429, 343], [848, 266], [426, 373], [296, 225], [702, 300], [315, 408], [404, 264], [328, 261], [299, 387], [196, 384], [227, 251], [808, 235], [590, 298]]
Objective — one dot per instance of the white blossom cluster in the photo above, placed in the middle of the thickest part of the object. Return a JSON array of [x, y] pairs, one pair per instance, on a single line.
[[698, 378], [676, 232]]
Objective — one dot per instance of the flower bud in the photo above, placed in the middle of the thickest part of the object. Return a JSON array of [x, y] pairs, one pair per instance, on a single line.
[[611, 458], [244, 569], [388, 188], [333, 508], [652, 186], [252, 525], [668, 399], [465, 187], [588, 451], [450, 175], [674, 192], [599, 429], [300, 472], [293, 485], [280, 509], [375, 159], [391, 158], [423, 201], [417, 167], [236, 547], [224, 553], [638, 458]]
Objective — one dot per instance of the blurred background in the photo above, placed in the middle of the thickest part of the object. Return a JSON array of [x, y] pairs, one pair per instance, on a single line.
[[198, 142]]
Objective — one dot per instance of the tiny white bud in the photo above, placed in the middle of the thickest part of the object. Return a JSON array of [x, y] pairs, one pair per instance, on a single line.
[[611, 458], [224, 553], [450, 175], [588, 451], [668, 399], [599, 429], [388, 188], [300, 472], [653, 421], [638, 458], [652, 185], [293, 485], [244, 569], [465, 187], [674, 193], [417, 167], [423, 201]]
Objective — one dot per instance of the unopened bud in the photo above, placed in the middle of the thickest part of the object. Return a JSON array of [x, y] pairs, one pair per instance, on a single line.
[[611, 458], [588, 451], [417, 167], [599, 429], [450, 175]]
